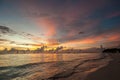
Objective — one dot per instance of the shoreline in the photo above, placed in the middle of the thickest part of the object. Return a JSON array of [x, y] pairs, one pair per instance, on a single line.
[[77, 69], [68, 70], [52, 53], [80, 71], [109, 72]]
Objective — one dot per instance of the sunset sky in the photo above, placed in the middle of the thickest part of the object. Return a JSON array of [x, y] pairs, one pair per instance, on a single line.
[[70, 23]]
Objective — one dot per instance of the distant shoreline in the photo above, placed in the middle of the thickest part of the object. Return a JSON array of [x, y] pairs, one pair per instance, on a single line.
[[48, 53]]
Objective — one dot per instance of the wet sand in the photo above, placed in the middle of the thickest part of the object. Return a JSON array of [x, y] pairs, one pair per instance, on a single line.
[[109, 72]]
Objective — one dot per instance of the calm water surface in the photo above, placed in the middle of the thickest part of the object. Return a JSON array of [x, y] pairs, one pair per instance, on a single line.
[[21, 59], [49, 66]]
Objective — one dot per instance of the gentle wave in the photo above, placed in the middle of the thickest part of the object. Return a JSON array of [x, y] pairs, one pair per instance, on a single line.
[[48, 70]]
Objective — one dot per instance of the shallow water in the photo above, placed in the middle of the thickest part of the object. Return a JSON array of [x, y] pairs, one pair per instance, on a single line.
[[21, 59], [49, 66]]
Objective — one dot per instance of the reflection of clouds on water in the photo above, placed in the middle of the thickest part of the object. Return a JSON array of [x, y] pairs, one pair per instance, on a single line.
[[51, 57], [59, 57], [42, 57], [61, 67], [22, 59]]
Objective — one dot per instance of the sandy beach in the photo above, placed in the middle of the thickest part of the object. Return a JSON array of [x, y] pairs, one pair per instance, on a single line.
[[109, 72]]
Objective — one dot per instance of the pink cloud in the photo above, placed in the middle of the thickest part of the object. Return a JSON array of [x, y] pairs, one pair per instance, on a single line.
[[48, 25]]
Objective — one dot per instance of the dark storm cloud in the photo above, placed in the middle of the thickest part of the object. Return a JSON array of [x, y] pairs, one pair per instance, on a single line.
[[81, 32], [6, 30]]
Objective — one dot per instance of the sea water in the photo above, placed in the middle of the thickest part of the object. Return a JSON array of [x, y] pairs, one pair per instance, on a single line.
[[43, 66]]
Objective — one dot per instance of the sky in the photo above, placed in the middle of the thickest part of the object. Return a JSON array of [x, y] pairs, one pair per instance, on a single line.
[[69, 23]]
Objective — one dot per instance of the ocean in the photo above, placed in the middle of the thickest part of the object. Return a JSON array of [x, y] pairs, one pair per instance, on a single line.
[[50, 66]]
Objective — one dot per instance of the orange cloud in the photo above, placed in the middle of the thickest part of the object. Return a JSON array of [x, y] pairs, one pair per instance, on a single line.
[[91, 40], [39, 16], [114, 37], [52, 42], [48, 25]]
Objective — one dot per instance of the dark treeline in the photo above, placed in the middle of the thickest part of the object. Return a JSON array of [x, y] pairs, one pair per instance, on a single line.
[[112, 50], [39, 50]]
